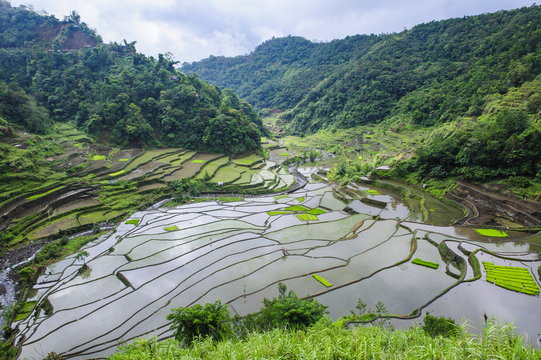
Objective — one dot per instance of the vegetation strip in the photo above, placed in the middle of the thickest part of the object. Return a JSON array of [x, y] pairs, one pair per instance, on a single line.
[[492, 232], [322, 280], [307, 217], [33, 197], [426, 263]]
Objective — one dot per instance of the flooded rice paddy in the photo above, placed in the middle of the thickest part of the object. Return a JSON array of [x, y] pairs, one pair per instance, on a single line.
[[237, 252]]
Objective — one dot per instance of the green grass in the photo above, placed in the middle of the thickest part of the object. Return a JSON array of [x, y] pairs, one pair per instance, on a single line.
[[171, 228], [426, 263], [511, 277], [124, 160], [373, 192], [34, 197], [301, 199], [98, 157], [492, 232], [198, 161], [297, 208], [281, 197], [278, 212], [326, 340], [307, 217], [316, 211], [322, 280], [133, 222]]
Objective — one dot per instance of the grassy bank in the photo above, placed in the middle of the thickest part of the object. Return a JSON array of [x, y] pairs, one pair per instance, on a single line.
[[326, 341]]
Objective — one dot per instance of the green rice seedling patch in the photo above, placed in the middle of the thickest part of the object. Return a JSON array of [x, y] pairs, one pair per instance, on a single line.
[[285, 154], [123, 160], [197, 161], [429, 264], [117, 173], [316, 211], [322, 280], [210, 168], [301, 199], [373, 192], [171, 228], [307, 217], [281, 197], [513, 278], [278, 212], [133, 222], [98, 157], [297, 208], [37, 196], [77, 145], [492, 232], [248, 160], [227, 174]]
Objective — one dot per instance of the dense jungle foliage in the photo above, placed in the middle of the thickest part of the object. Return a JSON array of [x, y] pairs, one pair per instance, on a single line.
[[111, 91], [471, 86], [428, 75]]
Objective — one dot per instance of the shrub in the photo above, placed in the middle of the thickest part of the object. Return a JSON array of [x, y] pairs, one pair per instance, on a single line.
[[289, 311], [198, 321], [440, 326]]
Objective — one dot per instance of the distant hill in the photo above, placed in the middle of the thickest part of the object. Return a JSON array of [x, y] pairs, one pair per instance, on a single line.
[[62, 71], [431, 74]]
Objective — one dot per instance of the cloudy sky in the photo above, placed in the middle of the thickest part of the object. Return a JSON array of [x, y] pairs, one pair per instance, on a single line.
[[194, 29]]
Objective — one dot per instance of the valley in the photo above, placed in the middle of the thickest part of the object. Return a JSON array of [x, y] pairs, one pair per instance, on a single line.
[[382, 179]]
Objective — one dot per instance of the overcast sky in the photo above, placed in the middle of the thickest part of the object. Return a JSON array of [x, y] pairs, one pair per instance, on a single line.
[[194, 29]]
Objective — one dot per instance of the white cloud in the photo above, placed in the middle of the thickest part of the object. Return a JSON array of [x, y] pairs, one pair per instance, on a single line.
[[192, 29]]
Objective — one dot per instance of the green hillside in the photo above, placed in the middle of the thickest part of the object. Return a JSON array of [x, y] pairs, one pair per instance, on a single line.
[[112, 92], [430, 74]]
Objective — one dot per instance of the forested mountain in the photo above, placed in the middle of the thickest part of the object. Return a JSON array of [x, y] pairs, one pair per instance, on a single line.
[[61, 71], [428, 75]]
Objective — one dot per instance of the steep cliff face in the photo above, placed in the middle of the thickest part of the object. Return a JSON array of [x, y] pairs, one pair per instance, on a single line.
[[21, 27]]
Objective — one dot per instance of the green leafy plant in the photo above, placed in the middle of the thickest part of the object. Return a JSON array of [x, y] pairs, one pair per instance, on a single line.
[[200, 321], [440, 326], [290, 311]]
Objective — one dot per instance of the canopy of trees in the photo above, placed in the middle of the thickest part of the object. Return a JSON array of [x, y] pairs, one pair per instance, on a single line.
[[428, 75], [113, 92]]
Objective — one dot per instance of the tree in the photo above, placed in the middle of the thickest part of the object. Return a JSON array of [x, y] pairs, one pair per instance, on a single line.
[[198, 321], [289, 311]]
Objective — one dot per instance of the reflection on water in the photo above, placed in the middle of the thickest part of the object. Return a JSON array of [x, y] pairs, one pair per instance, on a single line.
[[238, 252]]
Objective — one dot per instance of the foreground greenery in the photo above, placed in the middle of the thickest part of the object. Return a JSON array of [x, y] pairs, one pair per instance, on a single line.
[[326, 341], [288, 327]]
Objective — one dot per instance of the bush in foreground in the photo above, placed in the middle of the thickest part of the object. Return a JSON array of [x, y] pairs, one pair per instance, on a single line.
[[326, 341]]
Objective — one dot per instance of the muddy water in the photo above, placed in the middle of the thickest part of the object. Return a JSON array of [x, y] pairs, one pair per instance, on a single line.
[[238, 252]]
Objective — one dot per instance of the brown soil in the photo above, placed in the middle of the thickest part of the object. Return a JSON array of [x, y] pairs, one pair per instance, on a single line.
[[495, 206]]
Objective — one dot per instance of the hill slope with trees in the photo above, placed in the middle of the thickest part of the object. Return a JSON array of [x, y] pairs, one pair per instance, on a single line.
[[112, 92], [428, 75]]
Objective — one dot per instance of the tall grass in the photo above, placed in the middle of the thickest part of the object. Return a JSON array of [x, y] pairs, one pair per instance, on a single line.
[[327, 341]]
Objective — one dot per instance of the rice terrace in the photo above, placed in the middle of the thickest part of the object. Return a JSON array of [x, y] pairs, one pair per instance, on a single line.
[[318, 240], [372, 194]]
